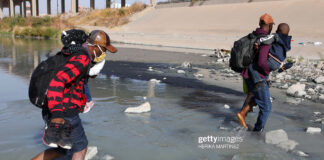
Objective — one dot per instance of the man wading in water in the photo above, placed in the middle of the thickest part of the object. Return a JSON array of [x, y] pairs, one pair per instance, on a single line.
[[64, 128], [259, 93]]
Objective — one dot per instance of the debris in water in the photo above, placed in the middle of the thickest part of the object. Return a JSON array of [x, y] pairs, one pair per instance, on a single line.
[[181, 71], [145, 107], [91, 152], [313, 130], [150, 69], [186, 65], [317, 113], [300, 153], [155, 81], [227, 106], [108, 157], [199, 76]]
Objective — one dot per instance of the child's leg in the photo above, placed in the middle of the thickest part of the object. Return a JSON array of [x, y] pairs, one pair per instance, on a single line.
[[273, 64], [86, 91], [254, 74]]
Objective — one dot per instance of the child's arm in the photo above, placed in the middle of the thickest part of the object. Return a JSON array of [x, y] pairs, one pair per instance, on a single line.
[[268, 40]]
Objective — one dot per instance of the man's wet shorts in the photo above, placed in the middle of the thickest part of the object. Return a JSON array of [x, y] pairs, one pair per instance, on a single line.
[[79, 139]]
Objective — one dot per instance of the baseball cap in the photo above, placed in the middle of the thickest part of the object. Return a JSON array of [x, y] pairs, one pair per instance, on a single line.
[[267, 18], [102, 39]]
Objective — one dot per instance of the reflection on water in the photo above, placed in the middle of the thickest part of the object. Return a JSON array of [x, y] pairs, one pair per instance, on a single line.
[[151, 88], [20, 57], [24, 55], [125, 91], [170, 131]]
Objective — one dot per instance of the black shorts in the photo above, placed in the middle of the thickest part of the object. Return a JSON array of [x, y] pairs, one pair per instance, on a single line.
[[79, 139]]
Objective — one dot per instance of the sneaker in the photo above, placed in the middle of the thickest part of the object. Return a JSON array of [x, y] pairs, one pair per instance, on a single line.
[[285, 67], [257, 131], [66, 137], [51, 134]]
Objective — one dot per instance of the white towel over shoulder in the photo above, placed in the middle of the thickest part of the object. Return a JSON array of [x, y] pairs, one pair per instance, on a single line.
[[95, 70]]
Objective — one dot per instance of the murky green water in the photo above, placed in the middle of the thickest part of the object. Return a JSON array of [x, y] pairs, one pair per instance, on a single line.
[[171, 130]]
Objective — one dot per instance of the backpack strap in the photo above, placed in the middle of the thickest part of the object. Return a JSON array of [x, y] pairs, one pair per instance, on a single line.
[[256, 42]]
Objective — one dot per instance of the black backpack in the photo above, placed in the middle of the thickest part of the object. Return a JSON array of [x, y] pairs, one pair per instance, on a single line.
[[47, 70], [44, 73], [243, 52]]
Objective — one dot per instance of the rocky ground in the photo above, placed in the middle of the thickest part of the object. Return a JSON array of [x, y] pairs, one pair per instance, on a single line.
[[305, 80]]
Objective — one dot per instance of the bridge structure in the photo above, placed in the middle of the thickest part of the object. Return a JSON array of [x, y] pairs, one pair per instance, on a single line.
[[34, 6]]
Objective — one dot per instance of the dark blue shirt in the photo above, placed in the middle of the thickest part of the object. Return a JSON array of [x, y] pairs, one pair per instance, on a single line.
[[281, 47]]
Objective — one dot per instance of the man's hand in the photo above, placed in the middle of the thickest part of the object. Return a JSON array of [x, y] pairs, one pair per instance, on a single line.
[[88, 107], [256, 46], [58, 120]]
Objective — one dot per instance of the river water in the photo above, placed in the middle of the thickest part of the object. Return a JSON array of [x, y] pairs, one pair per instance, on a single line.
[[175, 128]]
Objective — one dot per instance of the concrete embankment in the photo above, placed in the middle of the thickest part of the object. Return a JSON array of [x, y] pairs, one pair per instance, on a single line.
[[208, 27]]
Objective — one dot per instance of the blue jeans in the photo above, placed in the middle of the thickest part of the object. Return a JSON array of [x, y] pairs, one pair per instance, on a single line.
[[262, 98], [86, 90], [255, 76]]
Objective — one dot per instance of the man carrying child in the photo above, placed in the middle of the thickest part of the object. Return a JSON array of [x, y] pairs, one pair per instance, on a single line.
[[270, 53]]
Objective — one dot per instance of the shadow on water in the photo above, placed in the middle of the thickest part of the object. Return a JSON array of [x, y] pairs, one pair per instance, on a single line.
[[211, 103]]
